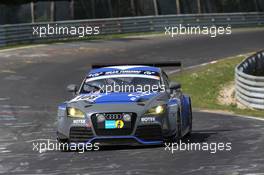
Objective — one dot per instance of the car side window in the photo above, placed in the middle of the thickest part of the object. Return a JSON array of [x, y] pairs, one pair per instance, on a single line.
[[165, 79]]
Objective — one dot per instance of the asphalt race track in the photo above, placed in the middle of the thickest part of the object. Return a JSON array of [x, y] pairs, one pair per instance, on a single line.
[[33, 82]]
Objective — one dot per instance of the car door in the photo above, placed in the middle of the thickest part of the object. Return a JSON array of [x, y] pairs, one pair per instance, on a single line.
[[172, 104]]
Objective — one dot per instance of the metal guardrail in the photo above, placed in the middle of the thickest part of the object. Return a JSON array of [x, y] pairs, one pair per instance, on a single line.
[[23, 33], [249, 87]]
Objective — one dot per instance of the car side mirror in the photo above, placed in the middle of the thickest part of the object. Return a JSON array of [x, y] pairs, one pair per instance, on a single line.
[[72, 88], [174, 85]]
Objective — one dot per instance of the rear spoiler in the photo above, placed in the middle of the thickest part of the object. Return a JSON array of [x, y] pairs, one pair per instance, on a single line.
[[158, 64]]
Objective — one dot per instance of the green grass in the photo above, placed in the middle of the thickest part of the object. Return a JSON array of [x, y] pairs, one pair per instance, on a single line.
[[204, 84]]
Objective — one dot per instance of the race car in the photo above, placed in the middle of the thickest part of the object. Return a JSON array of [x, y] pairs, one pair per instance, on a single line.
[[125, 105]]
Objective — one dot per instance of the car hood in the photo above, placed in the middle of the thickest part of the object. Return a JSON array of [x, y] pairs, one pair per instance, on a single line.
[[115, 97]]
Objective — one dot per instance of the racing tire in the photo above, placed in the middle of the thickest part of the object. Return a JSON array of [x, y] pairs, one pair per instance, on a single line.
[[177, 136], [61, 143], [179, 126]]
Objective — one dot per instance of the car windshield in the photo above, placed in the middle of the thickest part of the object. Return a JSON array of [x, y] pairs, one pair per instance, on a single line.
[[121, 84]]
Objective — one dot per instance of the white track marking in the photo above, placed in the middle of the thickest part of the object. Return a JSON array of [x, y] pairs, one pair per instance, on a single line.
[[4, 98], [229, 113], [24, 47], [14, 106], [192, 67]]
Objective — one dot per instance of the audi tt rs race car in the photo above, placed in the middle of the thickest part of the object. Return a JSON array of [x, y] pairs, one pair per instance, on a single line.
[[125, 105]]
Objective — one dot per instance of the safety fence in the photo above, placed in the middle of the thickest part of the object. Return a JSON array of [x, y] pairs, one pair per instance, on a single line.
[[249, 77], [23, 33]]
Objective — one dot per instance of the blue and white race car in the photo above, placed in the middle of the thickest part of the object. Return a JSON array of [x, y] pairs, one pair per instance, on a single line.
[[125, 105]]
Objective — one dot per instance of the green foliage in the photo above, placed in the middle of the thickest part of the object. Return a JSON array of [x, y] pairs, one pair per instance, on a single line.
[[204, 83]]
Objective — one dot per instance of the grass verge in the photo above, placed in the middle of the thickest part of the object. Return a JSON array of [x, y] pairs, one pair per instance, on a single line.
[[204, 84]]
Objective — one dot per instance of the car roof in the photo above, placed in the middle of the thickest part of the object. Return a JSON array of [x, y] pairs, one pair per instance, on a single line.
[[124, 67]]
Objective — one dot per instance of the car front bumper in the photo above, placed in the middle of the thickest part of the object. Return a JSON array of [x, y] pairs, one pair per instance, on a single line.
[[143, 135], [85, 132]]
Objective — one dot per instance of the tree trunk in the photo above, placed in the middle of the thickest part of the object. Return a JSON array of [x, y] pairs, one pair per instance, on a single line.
[[178, 8], [199, 6], [110, 8], [132, 4], [72, 9], [155, 7], [32, 6], [93, 8], [52, 11]]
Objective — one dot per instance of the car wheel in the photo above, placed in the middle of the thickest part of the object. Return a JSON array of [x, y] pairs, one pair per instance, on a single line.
[[190, 119], [63, 142], [175, 137]]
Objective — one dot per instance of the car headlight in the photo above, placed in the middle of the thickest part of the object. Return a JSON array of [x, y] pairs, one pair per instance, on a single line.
[[76, 113], [156, 110]]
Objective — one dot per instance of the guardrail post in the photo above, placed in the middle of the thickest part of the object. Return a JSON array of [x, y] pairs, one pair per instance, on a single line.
[[3, 36]]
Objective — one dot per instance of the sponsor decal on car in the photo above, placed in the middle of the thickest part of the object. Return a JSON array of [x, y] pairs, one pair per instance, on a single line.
[[119, 124], [148, 119], [113, 124], [119, 72], [80, 121], [90, 98], [110, 124]]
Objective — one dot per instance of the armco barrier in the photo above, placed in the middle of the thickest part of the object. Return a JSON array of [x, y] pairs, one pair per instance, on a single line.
[[249, 87], [22, 33]]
